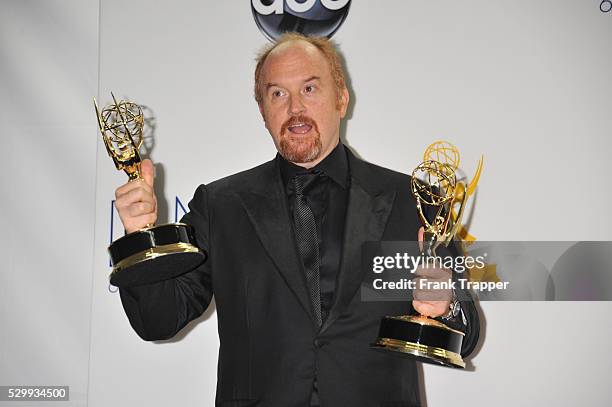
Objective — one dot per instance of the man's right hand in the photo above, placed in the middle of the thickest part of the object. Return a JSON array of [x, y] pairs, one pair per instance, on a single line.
[[135, 200]]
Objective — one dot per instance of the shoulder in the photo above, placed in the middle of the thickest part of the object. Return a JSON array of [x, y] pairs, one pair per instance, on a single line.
[[386, 175], [242, 181], [376, 177]]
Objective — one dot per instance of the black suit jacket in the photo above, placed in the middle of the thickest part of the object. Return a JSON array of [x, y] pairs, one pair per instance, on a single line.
[[270, 346]]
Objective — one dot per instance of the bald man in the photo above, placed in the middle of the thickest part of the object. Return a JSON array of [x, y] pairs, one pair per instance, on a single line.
[[284, 242]]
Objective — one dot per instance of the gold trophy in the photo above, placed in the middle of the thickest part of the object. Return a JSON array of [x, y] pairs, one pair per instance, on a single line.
[[440, 201], [155, 253]]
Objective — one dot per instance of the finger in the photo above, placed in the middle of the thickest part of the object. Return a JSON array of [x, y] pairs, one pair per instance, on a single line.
[[155, 203], [421, 237], [432, 295], [423, 308], [142, 194], [436, 273], [147, 170], [125, 188], [431, 290], [431, 308], [131, 185], [141, 208]]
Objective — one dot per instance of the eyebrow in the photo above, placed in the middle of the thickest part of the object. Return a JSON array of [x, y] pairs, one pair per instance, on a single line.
[[312, 78], [272, 84]]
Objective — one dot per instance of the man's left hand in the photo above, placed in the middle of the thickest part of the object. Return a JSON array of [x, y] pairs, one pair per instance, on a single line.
[[432, 302]]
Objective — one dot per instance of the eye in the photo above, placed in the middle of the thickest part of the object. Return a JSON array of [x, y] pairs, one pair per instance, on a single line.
[[277, 93], [309, 88]]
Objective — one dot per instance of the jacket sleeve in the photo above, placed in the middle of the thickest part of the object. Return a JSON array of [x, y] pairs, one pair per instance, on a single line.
[[160, 310], [467, 320], [472, 331]]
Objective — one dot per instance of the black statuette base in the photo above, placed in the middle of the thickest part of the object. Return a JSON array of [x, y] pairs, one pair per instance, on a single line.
[[154, 254], [422, 338]]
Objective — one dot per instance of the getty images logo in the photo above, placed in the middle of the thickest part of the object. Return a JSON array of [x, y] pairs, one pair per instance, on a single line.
[[310, 17]]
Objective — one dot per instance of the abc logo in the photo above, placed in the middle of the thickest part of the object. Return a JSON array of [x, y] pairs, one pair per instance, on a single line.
[[309, 17]]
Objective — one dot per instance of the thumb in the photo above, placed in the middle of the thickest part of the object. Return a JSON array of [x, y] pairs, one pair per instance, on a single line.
[[147, 170], [421, 235]]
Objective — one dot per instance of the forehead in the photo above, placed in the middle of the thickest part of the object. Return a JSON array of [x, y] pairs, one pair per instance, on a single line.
[[295, 60]]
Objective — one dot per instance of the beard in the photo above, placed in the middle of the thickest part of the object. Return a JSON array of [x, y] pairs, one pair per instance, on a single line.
[[300, 148]]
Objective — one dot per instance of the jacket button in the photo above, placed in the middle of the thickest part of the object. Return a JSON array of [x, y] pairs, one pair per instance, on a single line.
[[318, 343]]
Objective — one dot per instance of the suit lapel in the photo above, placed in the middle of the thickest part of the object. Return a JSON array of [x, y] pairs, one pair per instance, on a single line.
[[368, 210], [266, 205], [367, 215]]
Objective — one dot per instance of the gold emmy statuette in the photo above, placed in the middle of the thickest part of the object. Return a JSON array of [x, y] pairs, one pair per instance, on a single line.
[[155, 253], [440, 201]]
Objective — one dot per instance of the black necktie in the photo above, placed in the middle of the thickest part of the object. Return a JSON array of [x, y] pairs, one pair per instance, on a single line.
[[307, 240]]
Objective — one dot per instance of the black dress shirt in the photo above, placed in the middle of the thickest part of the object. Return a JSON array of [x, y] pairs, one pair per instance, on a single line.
[[327, 196]]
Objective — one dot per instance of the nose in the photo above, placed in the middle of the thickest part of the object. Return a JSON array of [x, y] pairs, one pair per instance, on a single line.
[[296, 105]]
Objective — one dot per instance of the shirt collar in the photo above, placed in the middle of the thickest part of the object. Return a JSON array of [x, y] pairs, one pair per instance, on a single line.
[[335, 166]]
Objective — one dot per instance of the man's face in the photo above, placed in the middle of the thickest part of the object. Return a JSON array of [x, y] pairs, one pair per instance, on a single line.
[[300, 103]]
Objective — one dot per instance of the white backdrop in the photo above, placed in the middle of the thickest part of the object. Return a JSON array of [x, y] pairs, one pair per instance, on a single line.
[[526, 83]]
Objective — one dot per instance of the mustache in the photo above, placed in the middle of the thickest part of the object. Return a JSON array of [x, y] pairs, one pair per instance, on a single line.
[[297, 120]]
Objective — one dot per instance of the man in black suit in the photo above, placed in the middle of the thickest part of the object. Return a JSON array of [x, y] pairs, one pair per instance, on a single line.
[[284, 242]]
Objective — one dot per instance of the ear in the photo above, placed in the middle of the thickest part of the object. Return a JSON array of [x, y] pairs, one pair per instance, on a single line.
[[343, 102], [262, 112]]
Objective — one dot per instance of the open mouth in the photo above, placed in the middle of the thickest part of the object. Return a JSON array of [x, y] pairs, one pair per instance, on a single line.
[[299, 128]]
